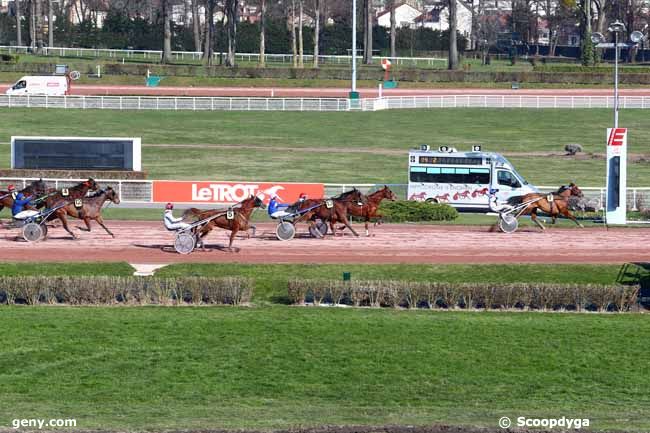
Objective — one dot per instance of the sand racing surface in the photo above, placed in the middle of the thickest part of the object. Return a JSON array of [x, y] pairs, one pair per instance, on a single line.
[[149, 242]]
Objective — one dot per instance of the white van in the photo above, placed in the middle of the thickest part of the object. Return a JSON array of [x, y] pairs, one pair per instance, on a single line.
[[463, 179], [55, 85]]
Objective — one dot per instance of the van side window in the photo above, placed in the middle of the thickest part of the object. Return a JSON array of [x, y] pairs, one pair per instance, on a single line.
[[20, 85], [507, 178]]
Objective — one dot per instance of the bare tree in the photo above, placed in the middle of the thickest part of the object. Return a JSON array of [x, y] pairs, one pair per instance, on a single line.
[[301, 62], [208, 43], [453, 44], [196, 25], [368, 20], [167, 32], [393, 30], [317, 8], [262, 62], [294, 47], [50, 23], [232, 8], [19, 30], [38, 25]]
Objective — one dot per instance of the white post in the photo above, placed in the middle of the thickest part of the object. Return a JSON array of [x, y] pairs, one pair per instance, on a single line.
[[354, 45], [616, 80], [380, 89]]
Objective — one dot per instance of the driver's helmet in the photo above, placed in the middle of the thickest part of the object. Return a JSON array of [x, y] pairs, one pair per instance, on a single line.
[[274, 196], [302, 196], [169, 206], [11, 188]]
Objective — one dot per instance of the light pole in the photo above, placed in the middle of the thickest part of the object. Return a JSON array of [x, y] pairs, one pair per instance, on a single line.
[[598, 39], [353, 92]]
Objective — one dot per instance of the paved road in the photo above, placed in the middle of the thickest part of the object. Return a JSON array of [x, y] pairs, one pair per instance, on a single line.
[[297, 92]]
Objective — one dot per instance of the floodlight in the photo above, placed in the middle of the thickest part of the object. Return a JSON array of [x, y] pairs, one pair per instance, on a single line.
[[636, 36], [597, 37], [616, 27]]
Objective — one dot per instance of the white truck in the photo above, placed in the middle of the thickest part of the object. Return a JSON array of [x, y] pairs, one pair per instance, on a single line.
[[463, 179], [55, 85]]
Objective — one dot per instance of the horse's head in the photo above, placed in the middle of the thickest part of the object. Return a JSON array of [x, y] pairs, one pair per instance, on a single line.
[[575, 191], [257, 202], [388, 193], [112, 195], [91, 184], [38, 187]]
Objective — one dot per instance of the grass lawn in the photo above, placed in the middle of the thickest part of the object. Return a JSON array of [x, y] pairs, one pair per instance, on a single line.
[[363, 147], [271, 280], [58, 269], [277, 367]]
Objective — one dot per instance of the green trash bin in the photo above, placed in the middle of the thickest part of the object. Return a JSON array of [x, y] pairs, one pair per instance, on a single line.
[[354, 95]]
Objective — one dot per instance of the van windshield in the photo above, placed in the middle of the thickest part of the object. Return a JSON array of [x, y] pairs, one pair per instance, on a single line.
[[20, 85], [512, 168]]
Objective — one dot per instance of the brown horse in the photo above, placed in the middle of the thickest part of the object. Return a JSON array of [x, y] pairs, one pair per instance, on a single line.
[[553, 204], [332, 211], [91, 208], [36, 188], [370, 205], [239, 221], [65, 196]]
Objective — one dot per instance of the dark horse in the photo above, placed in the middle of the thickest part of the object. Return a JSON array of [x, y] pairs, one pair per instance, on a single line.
[[64, 197], [91, 208], [36, 188], [239, 221], [368, 206], [553, 204], [332, 211]]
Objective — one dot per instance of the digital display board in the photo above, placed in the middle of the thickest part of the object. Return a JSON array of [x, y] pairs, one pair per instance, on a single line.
[[76, 153], [447, 160]]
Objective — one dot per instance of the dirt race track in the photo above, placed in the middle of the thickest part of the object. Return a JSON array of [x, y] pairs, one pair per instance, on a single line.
[[149, 242]]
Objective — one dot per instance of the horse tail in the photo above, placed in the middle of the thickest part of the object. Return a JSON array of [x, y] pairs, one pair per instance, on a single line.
[[516, 200]]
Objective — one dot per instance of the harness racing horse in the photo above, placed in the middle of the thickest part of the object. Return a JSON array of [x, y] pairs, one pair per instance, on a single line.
[[36, 188], [65, 196], [332, 211], [91, 208], [368, 206], [220, 219], [553, 204]]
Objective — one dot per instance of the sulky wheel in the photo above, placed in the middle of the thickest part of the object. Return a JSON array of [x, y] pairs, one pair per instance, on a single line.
[[285, 231], [321, 227], [32, 232], [508, 223], [184, 243]]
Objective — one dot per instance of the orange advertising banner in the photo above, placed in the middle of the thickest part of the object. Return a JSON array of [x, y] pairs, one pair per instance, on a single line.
[[231, 192]]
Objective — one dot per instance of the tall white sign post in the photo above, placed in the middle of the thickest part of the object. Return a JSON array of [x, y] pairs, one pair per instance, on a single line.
[[616, 206]]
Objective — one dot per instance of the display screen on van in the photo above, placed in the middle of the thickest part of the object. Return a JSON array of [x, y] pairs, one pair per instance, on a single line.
[[476, 176], [448, 160]]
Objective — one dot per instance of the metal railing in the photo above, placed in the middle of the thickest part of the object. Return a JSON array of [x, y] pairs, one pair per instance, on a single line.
[[141, 191], [152, 55], [175, 103], [319, 104]]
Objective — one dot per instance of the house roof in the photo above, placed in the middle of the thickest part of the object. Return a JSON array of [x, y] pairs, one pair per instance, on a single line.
[[387, 11]]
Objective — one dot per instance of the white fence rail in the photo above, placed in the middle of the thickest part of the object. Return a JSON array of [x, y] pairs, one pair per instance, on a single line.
[[319, 104], [154, 55], [141, 191]]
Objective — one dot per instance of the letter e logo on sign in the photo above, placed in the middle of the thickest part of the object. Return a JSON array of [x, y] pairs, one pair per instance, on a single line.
[[617, 137]]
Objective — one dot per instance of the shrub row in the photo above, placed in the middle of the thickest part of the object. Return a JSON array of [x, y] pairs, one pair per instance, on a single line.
[[9, 58], [413, 75], [406, 294], [417, 211], [89, 290], [592, 69]]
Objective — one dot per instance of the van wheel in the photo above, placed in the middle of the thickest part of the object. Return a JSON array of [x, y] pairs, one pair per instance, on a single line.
[[432, 201]]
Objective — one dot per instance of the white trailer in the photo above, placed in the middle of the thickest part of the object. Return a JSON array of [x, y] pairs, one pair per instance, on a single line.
[[55, 85], [463, 179]]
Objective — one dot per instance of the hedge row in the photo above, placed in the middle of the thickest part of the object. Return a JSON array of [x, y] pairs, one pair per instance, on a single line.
[[431, 295], [89, 290], [592, 69], [417, 211], [413, 75]]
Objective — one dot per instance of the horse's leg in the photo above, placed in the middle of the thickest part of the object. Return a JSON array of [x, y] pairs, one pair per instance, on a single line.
[[533, 216], [86, 221], [347, 224], [64, 221], [569, 215], [232, 238], [100, 221]]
